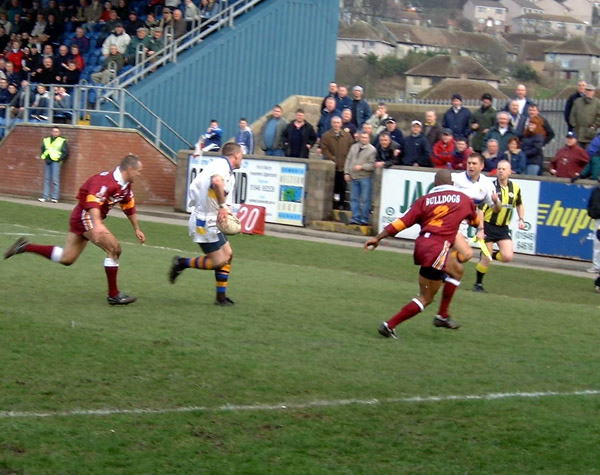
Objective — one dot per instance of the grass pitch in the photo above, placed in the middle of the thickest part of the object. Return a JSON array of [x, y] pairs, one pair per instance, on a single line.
[[302, 335]]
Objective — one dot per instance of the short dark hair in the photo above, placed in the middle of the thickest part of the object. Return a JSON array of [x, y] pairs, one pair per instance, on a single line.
[[300, 111], [244, 119], [230, 148], [214, 120], [478, 156], [277, 106], [514, 139], [131, 160], [385, 134]]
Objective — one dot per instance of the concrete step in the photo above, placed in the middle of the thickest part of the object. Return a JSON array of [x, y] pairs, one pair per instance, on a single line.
[[341, 228], [342, 216]]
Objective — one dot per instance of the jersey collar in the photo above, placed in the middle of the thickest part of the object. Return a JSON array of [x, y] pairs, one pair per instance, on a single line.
[[118, 176], [469, 178], [230, 167], [443, 188]]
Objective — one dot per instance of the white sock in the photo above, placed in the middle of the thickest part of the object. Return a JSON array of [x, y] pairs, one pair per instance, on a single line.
[[57, 253], [108, 262]]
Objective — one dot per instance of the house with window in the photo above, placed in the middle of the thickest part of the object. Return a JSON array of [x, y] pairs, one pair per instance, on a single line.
[[576, 59], [481, 46], [546, 25], [532, 53], [516, 8], [435, 70], [486, 15], [360, 38]]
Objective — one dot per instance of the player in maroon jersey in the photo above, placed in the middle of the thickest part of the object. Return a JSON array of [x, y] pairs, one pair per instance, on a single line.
[[96, 198], [439, 213]]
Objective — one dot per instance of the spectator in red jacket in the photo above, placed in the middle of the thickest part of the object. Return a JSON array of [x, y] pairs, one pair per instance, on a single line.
[[569, 160], [462, 151], [15, 56], [443, 150]]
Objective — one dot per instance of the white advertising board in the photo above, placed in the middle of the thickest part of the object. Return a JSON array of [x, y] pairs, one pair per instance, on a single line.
[[401, 188]]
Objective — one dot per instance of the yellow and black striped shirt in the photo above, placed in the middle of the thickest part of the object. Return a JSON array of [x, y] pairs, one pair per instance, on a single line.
[[510, 196]]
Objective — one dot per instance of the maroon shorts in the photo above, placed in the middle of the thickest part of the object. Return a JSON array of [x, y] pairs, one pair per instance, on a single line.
[[80, 221], [431, 251]]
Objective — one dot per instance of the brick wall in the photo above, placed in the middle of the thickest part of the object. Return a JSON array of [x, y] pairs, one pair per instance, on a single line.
[[92, 150]]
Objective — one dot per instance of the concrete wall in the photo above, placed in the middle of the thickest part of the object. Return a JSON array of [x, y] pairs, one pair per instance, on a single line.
[[92, 150]]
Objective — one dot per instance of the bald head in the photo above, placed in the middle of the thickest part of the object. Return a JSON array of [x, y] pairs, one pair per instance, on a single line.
[[442, 177]]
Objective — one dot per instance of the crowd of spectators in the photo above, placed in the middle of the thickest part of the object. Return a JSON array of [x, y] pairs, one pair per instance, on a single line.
[[64, 42]]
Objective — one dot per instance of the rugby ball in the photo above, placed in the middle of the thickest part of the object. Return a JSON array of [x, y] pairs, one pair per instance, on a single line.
[[230, 226]]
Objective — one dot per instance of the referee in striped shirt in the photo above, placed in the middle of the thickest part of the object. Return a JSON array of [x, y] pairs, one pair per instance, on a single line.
[[495, 224]]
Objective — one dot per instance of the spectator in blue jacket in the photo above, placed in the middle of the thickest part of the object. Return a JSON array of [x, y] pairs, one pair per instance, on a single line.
[[328, 113], [360, 108], [343, 101], [395, 133], [417, 151], [515, 156], [457, 118], [210, 141], [245, 138]]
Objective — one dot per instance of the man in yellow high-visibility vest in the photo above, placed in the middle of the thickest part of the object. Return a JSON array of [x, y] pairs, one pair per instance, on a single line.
[[54, 151]]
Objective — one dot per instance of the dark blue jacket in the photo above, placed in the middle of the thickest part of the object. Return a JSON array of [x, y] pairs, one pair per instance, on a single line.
[[459, 121], [518, 161], [533, 148], [325, 121], [397, 137], [361, 111], [417, 150]]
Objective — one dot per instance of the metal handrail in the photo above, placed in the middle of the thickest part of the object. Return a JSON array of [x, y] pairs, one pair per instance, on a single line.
[[174, 47], [116, 97]]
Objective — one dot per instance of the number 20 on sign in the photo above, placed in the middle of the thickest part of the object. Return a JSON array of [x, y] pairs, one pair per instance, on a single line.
[[252, 219]]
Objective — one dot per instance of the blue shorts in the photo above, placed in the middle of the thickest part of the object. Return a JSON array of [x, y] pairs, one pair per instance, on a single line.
[[208, 247]]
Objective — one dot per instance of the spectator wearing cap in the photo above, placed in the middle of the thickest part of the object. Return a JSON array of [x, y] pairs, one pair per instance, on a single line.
[[166, 20], [482, 120], [457, 118], [109, 25], [141, 41], [571, 99], [379, 118], [522, 100], [118, 38], [585, 116], [443, 150], [157, 42], [347, 124], [431, 129], [570, 160], [328, 113], [462, 151], [133, 23], [360, 108], [417, 151], [395, 133]]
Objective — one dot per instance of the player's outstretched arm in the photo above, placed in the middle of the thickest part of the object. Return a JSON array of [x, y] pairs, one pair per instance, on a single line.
[[136, 227], [373, 243]]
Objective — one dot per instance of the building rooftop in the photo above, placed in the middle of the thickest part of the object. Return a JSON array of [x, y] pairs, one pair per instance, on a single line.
[[467, 88], [447, 66]]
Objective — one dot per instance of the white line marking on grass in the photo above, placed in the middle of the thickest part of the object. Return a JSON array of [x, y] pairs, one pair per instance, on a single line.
[[294, 406]]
